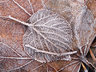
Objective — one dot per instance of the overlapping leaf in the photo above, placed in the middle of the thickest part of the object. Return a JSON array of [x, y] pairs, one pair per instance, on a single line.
[[11, 34], [91, 4], [81, 20], [84, 28]]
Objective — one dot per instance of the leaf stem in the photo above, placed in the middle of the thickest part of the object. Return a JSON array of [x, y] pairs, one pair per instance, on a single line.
[[22, 8], [51, 53]]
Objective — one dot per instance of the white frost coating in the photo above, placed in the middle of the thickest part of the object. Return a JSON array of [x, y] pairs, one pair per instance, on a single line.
[[7, 50], [51, 53], [49, 36], [77, 25], [12, 18], [91, 32], [43, 4], [22, 8], [84, 24], [32, 9], [79, 17], [81, 1], [8, 47], [18, 58], [11, 57]]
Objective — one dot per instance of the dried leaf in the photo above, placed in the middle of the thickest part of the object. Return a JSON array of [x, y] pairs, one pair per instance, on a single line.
[[81, 20], [10, 59], [48, 42], [11, 34], [66, 66], [47, 36], [56, 66], [84, 29], [32, 66]]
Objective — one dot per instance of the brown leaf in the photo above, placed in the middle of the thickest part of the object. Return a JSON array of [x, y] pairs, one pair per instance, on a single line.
[[92, 6], [66, 66], [56, 66], [11, 33], [81, 20]]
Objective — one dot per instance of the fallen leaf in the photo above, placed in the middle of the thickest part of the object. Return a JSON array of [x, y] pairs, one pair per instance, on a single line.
[[48, 36], [81, 20], [11, 33]]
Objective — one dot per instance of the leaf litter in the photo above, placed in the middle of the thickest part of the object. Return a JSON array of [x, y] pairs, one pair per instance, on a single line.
[[81, 25]]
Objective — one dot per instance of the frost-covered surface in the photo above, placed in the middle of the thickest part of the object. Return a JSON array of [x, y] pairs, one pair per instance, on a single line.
[[48, 36], [56, 32], [79, 17]]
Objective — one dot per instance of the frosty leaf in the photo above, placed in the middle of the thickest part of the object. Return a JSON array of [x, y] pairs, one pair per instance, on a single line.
[[11, 34], [74, 12], [81, 20], [47, 36], [84, 29], [79, 17]]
